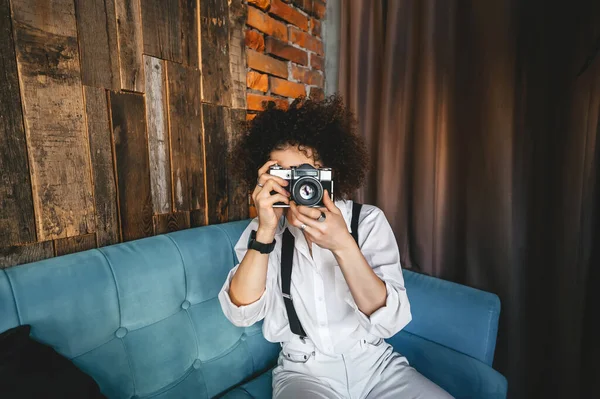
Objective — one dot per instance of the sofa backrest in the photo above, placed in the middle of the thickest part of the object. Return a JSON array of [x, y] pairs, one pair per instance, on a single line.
[[141, 317]]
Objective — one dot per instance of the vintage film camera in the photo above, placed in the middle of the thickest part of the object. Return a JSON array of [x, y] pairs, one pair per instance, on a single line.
[[306, 184]]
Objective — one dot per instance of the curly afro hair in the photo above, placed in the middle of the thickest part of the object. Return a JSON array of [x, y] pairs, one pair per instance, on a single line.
[[325, 126]]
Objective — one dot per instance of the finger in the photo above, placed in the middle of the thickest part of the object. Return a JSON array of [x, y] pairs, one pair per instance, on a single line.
[[271, 186], [266, 190], [313, 233], [255, 193], [278, 212], [265, 177], [292, 215], [300, 219], [293, 212], [313, 213], [329, 204], [266, 167], [269, 201], [257, 190], [294, 208], [289, 215]]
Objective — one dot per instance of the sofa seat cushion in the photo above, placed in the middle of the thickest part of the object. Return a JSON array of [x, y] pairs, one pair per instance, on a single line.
[[259, 388], [459, 374]]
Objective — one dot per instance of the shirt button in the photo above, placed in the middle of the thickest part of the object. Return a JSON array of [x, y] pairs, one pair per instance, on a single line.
[[322, 324], [320, 298]]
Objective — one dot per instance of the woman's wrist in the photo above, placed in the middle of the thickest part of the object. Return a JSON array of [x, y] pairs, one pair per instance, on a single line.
[[347, 245], [265, 235]]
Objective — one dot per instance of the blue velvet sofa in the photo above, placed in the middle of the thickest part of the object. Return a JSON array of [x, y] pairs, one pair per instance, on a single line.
[[143, 319]]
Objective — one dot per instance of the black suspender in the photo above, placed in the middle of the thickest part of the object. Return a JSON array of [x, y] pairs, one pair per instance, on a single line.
[[354, 222], [287, 256]]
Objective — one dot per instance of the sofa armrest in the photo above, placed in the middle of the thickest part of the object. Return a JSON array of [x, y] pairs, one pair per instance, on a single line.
[[461, 318]]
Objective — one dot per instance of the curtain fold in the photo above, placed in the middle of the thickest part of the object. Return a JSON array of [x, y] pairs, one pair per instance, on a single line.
[[485, 155]]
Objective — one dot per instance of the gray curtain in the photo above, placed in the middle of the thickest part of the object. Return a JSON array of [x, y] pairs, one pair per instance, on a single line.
[[482, 119]]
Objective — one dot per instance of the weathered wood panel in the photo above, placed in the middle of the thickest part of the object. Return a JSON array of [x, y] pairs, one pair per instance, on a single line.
[[216, 120], [237, 52], [158, 134], [129, 27], [161, 22], [97, 31], [52, 97], [133, 169], [17, 222], [238, 196], [190, 32], [21, 254], [185, 126], [168, 222], [101, 151], [198, 218], [70, 245], [214, 30]]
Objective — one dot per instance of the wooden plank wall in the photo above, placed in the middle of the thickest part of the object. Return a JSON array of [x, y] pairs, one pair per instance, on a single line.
[[45, 37], [17, 223], [115, 120]]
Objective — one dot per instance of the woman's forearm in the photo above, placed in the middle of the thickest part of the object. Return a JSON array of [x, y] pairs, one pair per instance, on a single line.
[[368, 290], [249, 281]]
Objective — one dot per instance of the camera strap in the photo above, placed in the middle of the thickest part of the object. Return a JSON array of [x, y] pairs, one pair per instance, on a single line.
[[287, 256]]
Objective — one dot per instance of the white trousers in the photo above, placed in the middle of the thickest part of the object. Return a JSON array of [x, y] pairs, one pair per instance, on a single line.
[[369, 370]]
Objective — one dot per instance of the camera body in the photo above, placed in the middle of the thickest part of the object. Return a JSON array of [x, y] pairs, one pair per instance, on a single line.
[[306, 184]]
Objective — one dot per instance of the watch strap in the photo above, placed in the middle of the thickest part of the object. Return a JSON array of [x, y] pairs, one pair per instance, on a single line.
[[259, 246]]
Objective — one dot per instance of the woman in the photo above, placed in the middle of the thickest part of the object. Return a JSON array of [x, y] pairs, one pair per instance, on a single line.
[[346, 295]]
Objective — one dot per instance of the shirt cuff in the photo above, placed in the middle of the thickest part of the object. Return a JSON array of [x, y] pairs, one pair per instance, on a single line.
[[381, 315]]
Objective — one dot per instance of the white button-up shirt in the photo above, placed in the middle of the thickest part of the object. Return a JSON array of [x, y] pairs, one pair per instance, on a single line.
[[321, 297]]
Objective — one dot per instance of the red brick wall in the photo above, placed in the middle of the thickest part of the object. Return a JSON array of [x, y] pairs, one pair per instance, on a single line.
[[285, 51]]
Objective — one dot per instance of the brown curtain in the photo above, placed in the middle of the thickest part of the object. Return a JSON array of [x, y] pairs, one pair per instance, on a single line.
[[485, 158]]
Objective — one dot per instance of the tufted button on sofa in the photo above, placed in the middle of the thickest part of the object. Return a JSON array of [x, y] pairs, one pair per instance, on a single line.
[[143, 319]]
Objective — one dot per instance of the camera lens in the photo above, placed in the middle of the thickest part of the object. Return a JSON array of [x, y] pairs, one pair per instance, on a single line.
[[307, 191]]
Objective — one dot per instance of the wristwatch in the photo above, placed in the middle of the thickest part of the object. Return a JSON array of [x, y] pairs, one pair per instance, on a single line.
[[259, 246]]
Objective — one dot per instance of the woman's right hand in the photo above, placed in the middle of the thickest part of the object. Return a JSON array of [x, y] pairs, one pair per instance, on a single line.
[[268, 216]]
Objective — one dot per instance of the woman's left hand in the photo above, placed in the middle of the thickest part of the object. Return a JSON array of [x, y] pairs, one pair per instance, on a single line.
[[331, 233]]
